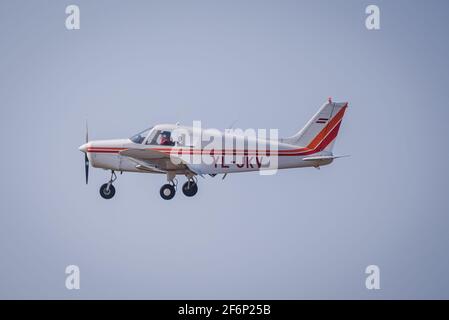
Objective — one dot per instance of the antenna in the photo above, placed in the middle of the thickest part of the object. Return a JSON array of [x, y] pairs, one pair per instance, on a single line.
[[231, 126]]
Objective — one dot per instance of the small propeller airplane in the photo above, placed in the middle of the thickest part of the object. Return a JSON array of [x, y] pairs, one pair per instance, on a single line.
[[158, 150]]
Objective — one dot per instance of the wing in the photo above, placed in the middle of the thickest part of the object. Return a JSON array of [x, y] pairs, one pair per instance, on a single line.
[[155, 161]]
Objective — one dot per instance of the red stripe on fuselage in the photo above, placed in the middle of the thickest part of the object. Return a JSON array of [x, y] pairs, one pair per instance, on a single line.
[[327, 135], [293, 152]]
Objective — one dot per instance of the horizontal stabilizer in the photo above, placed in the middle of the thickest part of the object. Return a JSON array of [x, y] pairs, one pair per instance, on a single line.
[[317, 158]]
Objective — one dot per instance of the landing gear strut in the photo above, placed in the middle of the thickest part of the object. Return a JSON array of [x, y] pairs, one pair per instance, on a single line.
[[107, 191], [190, 188]]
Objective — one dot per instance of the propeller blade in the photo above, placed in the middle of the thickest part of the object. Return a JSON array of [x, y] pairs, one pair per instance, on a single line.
[[87, 133], [86, 167], [86, 159]]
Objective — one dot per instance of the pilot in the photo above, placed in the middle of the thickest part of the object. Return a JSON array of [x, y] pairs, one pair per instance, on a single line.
[[165, 139]]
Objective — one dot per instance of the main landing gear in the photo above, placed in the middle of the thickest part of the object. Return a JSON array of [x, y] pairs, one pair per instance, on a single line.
[[190, 188], [107, 191]]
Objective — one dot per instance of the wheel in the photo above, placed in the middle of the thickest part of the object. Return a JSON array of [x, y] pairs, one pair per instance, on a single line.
[[105, 193], [191, 190], [167, 192]]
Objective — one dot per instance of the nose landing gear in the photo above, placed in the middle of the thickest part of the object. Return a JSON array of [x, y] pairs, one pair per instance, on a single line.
[[107, 190]]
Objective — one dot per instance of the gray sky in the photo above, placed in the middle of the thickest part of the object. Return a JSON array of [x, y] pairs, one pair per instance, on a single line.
[[267, 64]]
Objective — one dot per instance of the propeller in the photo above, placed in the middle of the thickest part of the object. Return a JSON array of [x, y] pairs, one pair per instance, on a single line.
[[86, 159]]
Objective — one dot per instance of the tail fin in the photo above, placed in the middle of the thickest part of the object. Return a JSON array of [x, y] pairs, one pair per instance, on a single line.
[[320, 132]]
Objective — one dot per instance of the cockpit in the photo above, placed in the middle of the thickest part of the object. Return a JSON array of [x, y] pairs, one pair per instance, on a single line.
[[160, 138], [154, 136]]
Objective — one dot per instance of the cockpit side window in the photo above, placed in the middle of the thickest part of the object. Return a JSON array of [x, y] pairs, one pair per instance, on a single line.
[[161, 138]]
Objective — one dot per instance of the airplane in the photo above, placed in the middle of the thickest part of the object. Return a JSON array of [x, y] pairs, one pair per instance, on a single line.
[[160, 150]]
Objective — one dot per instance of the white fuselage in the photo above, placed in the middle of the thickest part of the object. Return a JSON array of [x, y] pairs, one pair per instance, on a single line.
[[205, 159]]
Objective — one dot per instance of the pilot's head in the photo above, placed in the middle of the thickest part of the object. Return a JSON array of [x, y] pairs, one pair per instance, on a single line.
[[166, 135]]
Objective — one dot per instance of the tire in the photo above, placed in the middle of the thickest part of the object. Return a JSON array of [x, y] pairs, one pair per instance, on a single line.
[[167, 192], [189, 192], [105, 194]]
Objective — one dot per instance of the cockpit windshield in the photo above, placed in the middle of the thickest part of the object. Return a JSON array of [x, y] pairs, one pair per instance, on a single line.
[[140, 137]]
